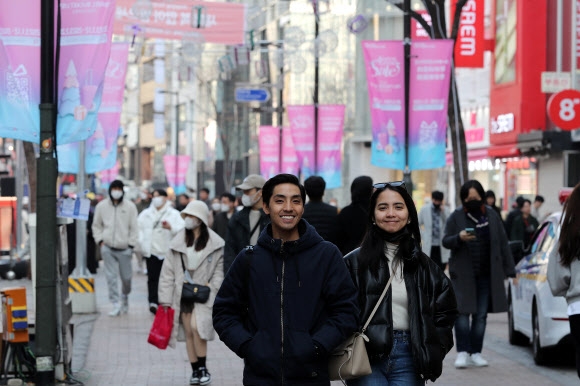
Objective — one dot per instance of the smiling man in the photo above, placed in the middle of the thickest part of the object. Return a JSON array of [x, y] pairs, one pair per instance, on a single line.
[[289, 300]]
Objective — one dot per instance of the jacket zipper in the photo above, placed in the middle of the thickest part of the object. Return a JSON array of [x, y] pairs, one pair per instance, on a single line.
[[282, 310]]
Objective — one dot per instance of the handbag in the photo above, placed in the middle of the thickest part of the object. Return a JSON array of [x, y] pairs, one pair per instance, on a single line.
[[191, 292], [161, 329], [350, 360]]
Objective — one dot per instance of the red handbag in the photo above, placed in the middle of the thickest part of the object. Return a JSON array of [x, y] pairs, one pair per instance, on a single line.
[[161, 329]]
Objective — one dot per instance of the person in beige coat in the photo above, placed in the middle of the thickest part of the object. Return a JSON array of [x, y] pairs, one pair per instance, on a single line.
[[200, 250]]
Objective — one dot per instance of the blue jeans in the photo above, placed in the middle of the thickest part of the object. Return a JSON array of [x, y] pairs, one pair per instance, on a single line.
[[397, 369], [470, 338]]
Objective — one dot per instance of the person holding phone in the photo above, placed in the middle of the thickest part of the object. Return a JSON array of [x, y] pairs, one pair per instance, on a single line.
[[158, 224], [480, 261]]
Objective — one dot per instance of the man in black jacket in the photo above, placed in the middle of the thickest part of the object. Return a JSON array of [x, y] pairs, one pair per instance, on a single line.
[[352, 219], [320, 215], [245, 226], [286, 303]]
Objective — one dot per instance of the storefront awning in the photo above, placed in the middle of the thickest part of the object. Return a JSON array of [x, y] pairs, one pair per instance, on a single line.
[[472, 155]]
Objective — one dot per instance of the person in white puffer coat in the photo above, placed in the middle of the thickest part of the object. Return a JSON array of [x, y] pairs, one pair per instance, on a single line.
[[158, 224]]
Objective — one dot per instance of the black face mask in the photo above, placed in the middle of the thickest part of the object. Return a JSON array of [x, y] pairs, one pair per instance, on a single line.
[[437, 206], [473, 206]]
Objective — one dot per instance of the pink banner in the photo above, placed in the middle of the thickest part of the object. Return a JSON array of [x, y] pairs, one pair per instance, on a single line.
[[20, 69], [176, 171], [302, 127], [102, 145], [330, 129], [87, 28], [385, 71], [269, 143], [216, 22], [109, 175], [290, 163], [430, 76]]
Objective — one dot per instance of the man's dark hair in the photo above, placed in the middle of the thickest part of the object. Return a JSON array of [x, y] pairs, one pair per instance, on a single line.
[[526, 200], [229, 196], [184, 196], [268, 189], [437, 195], [520, 201], [464, 191], [539, 198], [315, 186], [205, 190], [161, 192], [361, 189]]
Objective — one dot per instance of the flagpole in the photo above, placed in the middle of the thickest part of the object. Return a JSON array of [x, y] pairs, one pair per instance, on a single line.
[[407, 46]]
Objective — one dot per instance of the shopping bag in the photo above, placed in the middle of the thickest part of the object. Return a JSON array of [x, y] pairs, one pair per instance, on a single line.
[[161, 329]]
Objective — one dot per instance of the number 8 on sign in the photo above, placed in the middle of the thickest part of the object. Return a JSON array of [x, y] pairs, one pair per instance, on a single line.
[[562, 109]]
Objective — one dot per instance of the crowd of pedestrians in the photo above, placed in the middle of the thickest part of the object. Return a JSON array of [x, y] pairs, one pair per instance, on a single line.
[[291, 275]]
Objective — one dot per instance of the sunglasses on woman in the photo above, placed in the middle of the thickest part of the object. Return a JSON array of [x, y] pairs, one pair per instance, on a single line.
[[394, 184]]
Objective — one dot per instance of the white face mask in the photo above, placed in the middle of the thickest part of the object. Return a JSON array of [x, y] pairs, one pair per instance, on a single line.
[[191, 223], [116, 194], [225, 208], [158, 201], [143, 196], [249, 200], [216, 206]]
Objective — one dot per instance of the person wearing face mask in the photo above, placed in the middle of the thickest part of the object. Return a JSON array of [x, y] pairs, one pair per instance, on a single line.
[[116, 232], [226, 210], [480, 262], [196, 255], [158, 224], [245, 226], [432, 220]]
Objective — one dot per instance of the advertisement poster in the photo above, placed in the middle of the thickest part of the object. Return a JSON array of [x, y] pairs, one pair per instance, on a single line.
[[176, 171], [302, 128], [384, 62], [290, 163], [428, 99]]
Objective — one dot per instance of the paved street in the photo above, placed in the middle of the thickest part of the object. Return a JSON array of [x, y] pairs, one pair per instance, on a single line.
[[117, 352]]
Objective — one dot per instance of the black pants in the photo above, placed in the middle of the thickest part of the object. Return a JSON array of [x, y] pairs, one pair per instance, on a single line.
[[436, 256], [575, 331], [154, 265]]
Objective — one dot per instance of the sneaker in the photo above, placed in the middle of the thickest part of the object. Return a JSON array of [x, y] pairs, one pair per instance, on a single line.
[[124, 304], [194, 380], [478, 361], [204, 376], [462, 360], [153, 308], [116, 310]]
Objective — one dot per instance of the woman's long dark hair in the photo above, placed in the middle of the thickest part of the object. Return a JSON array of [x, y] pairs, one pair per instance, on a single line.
[[201, 241], [372, 247], [569, 247]]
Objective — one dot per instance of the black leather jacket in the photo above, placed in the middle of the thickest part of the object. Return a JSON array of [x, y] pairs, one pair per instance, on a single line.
[[432, 310]]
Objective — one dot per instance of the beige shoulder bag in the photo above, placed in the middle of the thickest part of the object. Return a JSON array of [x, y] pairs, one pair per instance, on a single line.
[[350, 359]]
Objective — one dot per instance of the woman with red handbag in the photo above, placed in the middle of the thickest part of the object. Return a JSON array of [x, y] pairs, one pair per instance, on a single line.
[[195, 256]]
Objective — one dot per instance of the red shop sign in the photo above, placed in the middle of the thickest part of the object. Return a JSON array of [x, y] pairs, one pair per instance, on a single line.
[[564, 109]]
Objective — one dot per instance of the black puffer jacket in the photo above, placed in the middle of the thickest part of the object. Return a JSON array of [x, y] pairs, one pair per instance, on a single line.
[[432, 310]]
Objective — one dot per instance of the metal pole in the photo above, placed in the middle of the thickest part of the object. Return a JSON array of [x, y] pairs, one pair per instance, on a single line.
[[316, 75], [45, 339], [573, 43], [176, 143], [81, 226], [560, 18], [19, 182], [407, 46]]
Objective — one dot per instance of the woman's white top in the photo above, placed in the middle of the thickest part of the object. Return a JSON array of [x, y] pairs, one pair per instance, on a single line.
[[400, 302], [193, 258]]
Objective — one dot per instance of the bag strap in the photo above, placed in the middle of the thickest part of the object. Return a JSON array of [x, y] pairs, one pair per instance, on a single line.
[[183, 265], [378, 303], [255, 227]]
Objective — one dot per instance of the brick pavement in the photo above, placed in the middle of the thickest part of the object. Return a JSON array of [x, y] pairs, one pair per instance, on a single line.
[[118, 352]]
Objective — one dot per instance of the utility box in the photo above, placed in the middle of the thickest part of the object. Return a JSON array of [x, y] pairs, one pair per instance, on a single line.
[[15, 315]]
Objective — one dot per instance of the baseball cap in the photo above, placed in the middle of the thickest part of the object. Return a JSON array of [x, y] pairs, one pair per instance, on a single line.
[[252, 181]]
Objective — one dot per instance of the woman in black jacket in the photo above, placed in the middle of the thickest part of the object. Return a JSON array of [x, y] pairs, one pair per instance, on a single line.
[[411, 332]]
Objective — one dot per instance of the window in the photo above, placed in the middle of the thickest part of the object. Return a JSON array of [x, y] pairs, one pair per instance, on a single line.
[[538, 239], [147, 113], [148, 71]]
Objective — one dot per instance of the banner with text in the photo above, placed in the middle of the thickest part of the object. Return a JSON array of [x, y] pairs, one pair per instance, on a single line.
[[301, 120], [269, 144], [176, 171], [86, 33], [330, 129], [87, 29], [290, 163], [429, 77], [469, 47], [108, 176], [101, 147], [198, 21], [385, 72], [20, 70]]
